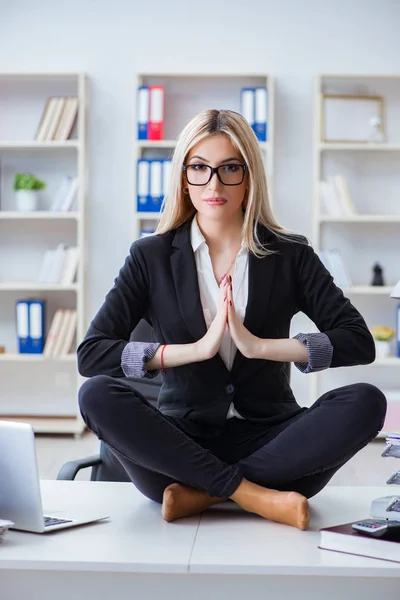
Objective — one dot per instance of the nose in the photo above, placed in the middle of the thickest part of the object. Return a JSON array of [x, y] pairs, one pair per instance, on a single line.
[[214, 182]]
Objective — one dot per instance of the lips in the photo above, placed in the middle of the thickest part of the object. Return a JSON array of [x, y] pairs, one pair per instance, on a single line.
[[215, 201]]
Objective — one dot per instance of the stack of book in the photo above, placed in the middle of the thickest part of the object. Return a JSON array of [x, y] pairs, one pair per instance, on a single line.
[[343, 538], [334, 196], [59, 265], [64, 199], [58, 119], [61, 333]]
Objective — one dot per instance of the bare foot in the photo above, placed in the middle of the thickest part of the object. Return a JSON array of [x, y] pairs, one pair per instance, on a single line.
[[289, 508], [183, 501]]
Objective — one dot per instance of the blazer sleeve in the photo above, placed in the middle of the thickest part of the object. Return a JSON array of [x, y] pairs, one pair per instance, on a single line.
[[126, 303], [324, 303]]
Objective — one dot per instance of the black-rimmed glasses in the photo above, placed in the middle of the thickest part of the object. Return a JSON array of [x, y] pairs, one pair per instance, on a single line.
[[200, 174]]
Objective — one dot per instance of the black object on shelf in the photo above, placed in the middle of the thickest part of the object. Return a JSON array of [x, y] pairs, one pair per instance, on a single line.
[[377, 278]]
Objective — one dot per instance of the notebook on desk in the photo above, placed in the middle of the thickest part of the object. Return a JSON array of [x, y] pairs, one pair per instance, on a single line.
[[20, 498]]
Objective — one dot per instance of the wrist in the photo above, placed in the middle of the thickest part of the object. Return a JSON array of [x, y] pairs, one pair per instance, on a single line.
[[198, 352], [262, 349]]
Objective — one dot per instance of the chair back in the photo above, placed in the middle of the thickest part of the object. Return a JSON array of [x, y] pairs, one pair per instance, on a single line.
[[110, 468]]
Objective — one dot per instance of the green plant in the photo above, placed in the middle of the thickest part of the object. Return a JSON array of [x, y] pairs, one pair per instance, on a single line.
[[27, 181]]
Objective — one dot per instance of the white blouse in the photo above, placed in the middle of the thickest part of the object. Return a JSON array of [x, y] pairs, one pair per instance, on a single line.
[[209, 293]]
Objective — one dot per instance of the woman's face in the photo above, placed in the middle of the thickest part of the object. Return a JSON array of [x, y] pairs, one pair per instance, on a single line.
[[216, 199]]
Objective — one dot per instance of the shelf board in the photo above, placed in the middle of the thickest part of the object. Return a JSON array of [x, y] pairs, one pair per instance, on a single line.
[[24, 75], [367, 146], [39, 214], [145, 216], [373, 290], [360, 76], [156, 143], [192, 75], [21, 286], [15, 357], [33, 145], [60, 425], [360, 219], [172, 144]]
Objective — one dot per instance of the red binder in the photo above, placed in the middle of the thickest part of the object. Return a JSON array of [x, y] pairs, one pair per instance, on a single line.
[[156, 110]]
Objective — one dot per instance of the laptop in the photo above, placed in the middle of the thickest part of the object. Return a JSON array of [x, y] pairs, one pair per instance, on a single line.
[[20, 498]]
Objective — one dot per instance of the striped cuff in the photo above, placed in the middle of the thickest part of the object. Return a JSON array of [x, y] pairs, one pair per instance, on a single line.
[[320, 351], [135, 355]]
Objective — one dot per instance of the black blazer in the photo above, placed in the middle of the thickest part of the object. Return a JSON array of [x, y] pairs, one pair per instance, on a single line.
[[158, 282]]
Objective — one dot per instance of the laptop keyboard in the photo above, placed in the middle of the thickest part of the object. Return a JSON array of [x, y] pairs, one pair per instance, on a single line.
[[53, 521]]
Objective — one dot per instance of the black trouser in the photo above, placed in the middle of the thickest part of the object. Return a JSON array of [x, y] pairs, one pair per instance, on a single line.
[[301, 454]]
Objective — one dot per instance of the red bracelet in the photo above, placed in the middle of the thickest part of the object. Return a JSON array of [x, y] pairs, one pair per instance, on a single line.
[[162, 358]]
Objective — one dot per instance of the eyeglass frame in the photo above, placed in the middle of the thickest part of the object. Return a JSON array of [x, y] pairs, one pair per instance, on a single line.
[[214, 170]]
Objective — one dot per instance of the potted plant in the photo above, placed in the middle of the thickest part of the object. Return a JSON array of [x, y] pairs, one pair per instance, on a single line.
[[26, 187], [382, 336]]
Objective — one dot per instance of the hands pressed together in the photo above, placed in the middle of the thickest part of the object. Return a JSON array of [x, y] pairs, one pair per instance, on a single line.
[[246, 342]]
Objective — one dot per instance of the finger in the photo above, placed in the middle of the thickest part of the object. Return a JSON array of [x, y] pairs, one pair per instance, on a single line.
[[230, 293], [230, 307]]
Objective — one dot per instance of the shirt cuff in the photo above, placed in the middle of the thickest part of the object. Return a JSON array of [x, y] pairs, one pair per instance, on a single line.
[[135, 355], [320, 351]]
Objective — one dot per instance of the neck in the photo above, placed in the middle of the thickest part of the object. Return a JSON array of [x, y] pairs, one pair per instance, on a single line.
[[221, 235]]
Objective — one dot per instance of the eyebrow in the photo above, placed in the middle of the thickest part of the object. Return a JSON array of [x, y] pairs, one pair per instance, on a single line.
[[222, 161]]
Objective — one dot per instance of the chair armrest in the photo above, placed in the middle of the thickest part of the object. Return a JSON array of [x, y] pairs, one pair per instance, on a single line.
[[71, 468]]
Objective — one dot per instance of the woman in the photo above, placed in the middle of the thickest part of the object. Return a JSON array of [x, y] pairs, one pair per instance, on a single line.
[[219, 283]]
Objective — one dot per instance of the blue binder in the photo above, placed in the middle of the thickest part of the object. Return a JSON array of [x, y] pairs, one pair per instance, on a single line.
[[156, 167], [247, 105], [30, 326], [260, 113], [143, 185], [143, 112]]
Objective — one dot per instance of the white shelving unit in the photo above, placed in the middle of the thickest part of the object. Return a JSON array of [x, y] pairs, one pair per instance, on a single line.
[[37, 389], [185, 96], [369, 236]]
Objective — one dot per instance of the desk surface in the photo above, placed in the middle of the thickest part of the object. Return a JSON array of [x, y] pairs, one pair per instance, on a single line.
[[223, 540]]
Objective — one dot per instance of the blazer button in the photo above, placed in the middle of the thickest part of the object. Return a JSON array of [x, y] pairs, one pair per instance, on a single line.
[[229, 389]]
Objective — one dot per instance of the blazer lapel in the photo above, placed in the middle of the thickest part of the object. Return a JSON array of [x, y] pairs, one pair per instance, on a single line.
[[184, 273], [261, 279]]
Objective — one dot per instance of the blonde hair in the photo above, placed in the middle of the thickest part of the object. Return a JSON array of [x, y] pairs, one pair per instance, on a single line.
[[177, 206]]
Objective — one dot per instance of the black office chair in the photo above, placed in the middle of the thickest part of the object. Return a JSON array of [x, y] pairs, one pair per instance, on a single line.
[[105, 466]]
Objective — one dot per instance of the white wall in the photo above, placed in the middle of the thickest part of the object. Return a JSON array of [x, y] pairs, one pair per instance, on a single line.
[[111, 41]]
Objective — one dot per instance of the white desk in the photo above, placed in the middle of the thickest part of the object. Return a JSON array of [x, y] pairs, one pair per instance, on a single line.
[[226, 553]]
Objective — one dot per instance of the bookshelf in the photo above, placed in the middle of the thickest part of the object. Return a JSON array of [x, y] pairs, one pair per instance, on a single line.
[[35, 388], [185, 96], [371, 233]]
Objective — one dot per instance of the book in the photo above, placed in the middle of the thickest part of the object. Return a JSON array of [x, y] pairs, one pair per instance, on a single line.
[[53, 332], [342, 538], [67, 119]]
